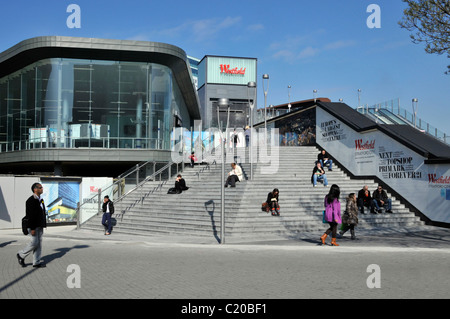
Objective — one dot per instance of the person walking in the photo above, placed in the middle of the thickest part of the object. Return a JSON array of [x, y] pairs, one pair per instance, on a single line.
[[350, 217], [108, 210], [235, 138], [37, 221], [332, 214], [247, 136]]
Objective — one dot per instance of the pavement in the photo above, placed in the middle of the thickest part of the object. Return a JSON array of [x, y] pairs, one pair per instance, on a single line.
[[82, 264]]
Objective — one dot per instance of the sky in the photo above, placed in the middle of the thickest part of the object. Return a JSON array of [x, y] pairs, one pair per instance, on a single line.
[[323, 45]]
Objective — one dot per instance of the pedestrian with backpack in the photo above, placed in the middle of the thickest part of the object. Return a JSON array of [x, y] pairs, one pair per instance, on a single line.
[[108, 210]]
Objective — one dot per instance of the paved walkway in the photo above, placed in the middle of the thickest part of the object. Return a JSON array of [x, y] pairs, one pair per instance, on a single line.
[[83, 264]]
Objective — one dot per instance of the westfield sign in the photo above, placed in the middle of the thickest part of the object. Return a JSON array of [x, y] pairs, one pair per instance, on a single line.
[[368, 145], [225, 68]]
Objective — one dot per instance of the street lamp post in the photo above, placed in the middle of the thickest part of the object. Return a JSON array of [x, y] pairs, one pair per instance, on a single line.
[[289, 98], [359, 98], [415, 101], [222, 102], [265, 77], [315, 95], [251, 105]]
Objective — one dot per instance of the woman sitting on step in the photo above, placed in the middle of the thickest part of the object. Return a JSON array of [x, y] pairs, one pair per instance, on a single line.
[[272, 202]]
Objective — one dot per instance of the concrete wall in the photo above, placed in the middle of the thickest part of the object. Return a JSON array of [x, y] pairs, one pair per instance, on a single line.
[[14, 191]]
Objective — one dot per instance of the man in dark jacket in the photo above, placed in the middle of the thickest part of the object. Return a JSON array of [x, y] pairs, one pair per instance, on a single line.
[[380, 199], [365, 200], [325, 160], [108, 210], [37, 221]]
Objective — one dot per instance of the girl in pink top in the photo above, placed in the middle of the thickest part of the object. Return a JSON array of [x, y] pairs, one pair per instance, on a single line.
[[332, 214]]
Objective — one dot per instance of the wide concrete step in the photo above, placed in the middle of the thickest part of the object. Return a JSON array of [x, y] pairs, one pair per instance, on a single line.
[[197, 211]]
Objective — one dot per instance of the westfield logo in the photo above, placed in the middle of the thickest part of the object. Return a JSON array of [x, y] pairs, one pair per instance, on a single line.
[[225, 68], [368, 145], [433, 178]]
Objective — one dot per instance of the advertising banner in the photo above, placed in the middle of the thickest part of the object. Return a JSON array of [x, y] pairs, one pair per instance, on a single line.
[[225, 70], [61, 198], [89, 195], [374, 153]]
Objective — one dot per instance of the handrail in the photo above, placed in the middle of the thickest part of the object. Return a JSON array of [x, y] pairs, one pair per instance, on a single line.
[[141, 184], [119, 183], [394, 107]]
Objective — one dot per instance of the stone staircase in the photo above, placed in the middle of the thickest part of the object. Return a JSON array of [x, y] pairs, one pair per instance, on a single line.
[[196, 212]]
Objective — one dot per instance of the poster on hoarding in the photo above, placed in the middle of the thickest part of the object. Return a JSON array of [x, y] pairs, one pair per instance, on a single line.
[[90, 186], [374, 153], [61, 198]]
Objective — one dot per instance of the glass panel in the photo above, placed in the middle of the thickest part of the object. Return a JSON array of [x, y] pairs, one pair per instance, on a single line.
[[73, 103], [3, 114], [28, 102], [133, 95], [160, 125]]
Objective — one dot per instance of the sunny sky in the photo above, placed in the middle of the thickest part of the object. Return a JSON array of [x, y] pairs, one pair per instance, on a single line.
[[324, 45]]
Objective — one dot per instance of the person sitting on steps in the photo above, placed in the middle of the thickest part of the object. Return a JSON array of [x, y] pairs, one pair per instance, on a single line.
[[325, 160], [235, 175], [272, 202], [318, 174], [381, 200]]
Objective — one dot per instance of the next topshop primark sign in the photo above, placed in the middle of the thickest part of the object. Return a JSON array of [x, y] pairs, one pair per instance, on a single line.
[[374, 153]]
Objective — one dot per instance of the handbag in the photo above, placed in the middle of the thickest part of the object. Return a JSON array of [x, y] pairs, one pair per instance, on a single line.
[[25, 225], [265, 207], [323, 218]]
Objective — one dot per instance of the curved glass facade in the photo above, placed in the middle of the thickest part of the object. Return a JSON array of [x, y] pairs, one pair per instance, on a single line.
[[71, 103]]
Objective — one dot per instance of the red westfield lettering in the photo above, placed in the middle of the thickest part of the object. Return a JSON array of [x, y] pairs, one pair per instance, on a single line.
[[368, 145], [433, 178], [225, 68]]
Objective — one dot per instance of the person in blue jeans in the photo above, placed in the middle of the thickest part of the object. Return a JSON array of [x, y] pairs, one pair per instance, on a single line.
[[108, 210], [319, 175], [325, 160], [380, 198]]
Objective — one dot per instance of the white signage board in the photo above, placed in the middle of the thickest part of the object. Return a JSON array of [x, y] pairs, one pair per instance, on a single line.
[[89, 195]]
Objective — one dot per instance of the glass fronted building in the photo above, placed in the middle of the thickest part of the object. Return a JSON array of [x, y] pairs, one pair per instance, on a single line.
[[76, 94]]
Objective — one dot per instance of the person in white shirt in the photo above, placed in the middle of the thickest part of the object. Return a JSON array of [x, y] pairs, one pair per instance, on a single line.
[[108, 210], [235, 175]]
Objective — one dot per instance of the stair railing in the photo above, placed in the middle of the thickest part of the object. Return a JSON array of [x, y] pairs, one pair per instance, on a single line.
[[164, 174]]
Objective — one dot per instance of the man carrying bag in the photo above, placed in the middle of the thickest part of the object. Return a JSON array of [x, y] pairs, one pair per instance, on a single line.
[[36, 221]]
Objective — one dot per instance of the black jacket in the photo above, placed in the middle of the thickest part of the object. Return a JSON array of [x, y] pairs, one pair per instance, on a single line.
[[181, 185], [270, 196], [363, 197], [111, 207], [380, 196], [35, 213], [323, 156]]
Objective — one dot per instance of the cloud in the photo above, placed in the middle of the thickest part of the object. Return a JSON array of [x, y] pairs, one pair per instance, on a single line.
[[206, 29], [196, 30], [255, 27], [339, 45], [293, 49], [307, 53]]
